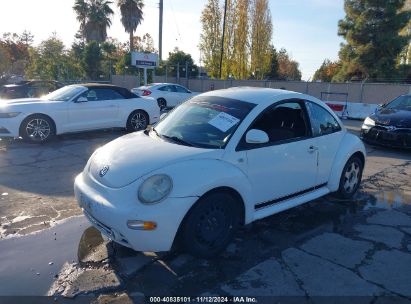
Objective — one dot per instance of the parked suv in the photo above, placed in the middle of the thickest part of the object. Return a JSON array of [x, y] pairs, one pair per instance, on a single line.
[[29, 89]]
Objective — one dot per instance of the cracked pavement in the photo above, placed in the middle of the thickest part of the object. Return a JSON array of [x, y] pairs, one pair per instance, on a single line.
[[327, 247]]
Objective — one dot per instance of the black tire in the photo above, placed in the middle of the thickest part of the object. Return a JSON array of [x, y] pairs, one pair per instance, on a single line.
[[162, 103], [138, 120], [37, 129], [210, 225], [350, 179]]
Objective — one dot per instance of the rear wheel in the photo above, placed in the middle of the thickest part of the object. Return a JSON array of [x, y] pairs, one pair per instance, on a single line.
[[37, 129], [350, 178], [162, 103], [137, 121], [210, 225]]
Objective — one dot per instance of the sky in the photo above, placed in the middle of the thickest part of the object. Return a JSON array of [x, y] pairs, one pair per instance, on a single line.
[[306, 28]]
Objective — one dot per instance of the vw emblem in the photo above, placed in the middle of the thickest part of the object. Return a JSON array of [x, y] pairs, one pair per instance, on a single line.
[[104, 171]]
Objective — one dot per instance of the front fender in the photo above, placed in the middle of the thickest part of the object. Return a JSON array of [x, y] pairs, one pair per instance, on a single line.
[[350, 144], [194, 178]]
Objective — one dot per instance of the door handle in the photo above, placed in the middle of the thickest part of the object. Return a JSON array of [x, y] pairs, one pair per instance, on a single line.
[[312, 149]]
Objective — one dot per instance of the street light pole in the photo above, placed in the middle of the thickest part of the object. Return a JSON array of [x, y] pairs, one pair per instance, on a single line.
[[222, 39], [160, 31]]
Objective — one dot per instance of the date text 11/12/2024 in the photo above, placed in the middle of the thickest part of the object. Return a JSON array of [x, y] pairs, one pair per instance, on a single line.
[[203, 299]]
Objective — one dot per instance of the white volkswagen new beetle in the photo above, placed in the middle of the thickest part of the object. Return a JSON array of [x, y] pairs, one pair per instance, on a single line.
[[222, 159]]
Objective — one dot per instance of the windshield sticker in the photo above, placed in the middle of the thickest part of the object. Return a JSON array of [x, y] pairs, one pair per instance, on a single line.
[[223, 121]]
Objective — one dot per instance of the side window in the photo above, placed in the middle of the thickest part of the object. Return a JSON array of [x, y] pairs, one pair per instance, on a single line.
[[181, 89], [108, 94], [90, 94], [322, 122], [163, 88], [282, 122], [101, 94]]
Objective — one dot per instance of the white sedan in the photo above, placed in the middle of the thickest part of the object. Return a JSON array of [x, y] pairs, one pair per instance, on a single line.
[[223, 159], [76, 108], [168, 95]]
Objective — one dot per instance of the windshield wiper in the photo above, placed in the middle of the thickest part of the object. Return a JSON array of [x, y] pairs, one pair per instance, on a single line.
[[178, 140], [173, 138]]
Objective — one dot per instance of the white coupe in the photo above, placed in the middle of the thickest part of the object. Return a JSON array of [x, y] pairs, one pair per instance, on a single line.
[[76, 108], [168, 95], [223, 159]]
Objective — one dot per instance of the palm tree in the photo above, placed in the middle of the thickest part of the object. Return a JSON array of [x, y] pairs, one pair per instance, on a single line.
[[94, 16], [81, 8], [131, 16]]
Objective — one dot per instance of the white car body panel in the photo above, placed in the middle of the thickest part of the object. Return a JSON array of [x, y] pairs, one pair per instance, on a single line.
[[70, 116], [173, 99], [287, 173]]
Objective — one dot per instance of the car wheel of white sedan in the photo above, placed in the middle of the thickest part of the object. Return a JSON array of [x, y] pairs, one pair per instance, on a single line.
[[138, 120], [350, 177], [210, 225], [37, 129], [162, 103]]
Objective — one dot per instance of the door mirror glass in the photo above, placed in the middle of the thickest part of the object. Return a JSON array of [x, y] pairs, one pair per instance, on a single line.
[[82, 99], [255, 136]]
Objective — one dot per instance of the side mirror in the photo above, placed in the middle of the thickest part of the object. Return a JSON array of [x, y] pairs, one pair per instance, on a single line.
[[163, 115], [255, 136], [189, 92], [82, 99]]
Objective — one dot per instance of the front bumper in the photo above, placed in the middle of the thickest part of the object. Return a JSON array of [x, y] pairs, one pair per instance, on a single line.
[[109, 210], [387, 136], [9, 127]]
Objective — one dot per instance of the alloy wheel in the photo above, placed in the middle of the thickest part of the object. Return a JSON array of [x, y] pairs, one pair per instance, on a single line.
[[38, 129]]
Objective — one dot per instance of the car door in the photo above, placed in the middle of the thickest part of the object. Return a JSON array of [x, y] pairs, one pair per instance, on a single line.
[[329, 134], [182, 94], [287, 164], [99, 111], [171, 95]]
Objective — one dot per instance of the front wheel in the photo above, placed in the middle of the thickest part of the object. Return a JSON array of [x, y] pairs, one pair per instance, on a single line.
[[37, 129], [137, 121], [350, 178], [210, 225]]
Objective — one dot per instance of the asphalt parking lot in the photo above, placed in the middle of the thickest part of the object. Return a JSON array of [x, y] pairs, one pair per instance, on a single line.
[[327, 247]]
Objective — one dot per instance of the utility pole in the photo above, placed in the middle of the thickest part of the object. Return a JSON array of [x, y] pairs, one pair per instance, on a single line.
[[222, 39], [160, 31]]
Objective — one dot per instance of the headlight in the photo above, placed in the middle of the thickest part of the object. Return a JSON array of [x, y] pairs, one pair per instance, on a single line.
[[9, 115], [155, 188], [369, 122]]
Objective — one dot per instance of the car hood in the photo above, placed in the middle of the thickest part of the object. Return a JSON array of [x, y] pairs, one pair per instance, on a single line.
[[22, 101], [393, 117], [126, 159]]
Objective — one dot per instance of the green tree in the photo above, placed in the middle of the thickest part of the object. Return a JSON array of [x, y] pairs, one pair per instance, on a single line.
[[261, 33], [94, 17], [178, 57], [15, 49], [92, 58], [327, 71], [272, 74], [288, 69], [228, 55], [131, 16], [371, 29], [241, 43], [210, 38], [50, 60]]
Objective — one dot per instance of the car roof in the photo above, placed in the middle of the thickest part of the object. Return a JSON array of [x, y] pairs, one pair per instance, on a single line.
[[253, 94], [123, 91]]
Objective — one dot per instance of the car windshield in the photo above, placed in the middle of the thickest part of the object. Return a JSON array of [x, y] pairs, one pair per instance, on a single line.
[[64, 94], [400, 103], [203, 121]]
